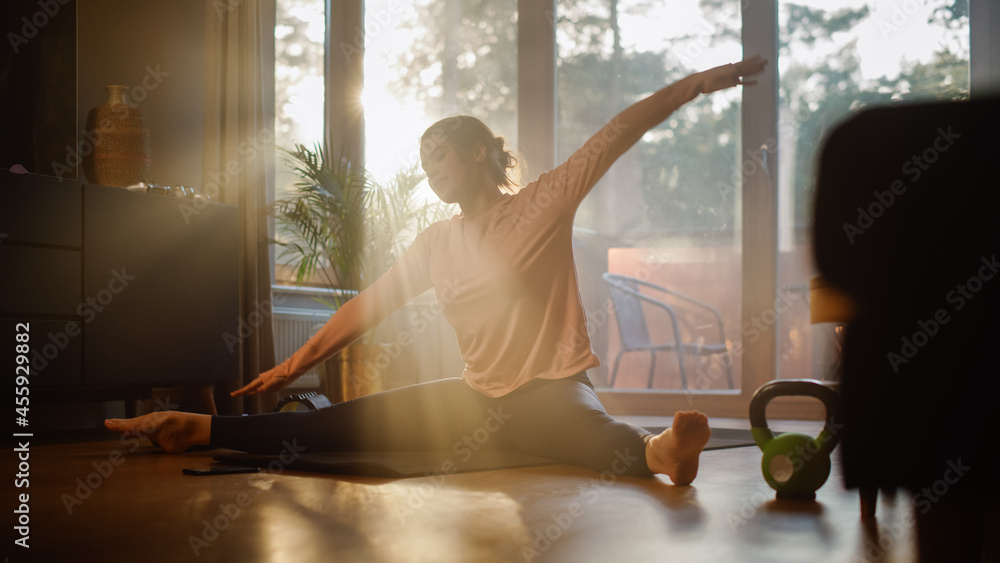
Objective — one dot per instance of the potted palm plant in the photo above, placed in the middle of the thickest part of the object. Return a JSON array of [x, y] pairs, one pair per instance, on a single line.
[[345, 229]]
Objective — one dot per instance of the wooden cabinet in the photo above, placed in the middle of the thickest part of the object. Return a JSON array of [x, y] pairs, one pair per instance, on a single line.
[[122, 291]]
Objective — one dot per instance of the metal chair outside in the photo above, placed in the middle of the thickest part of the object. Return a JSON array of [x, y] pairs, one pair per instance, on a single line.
[[627, 300]]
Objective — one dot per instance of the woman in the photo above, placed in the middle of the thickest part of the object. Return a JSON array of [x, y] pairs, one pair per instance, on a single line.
[[504, 276]]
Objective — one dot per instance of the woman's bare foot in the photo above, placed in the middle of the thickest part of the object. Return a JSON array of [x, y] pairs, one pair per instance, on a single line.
[[675, 451], [173, 431]]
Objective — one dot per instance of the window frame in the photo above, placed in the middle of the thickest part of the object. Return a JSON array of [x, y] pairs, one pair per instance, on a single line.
[[537, 123]]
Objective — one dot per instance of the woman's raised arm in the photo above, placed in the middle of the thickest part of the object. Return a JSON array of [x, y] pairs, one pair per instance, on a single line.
[[584, 168]]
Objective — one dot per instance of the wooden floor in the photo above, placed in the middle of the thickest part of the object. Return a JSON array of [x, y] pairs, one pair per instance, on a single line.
[[99, 501]]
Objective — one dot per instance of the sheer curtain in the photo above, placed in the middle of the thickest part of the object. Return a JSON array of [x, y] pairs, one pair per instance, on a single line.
[[239, 165]]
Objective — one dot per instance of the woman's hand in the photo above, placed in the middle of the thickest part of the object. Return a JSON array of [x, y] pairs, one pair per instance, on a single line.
[[273, 379], [727, 76]]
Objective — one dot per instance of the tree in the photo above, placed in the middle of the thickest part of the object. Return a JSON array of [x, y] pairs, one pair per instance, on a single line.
[[683, 177], [298, 60], [815, 98], [463, 62]]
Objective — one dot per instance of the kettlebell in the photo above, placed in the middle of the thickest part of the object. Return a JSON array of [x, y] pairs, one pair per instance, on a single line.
[[795, 465]]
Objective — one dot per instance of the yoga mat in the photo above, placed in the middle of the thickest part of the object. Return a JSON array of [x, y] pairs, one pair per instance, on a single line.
[[389, 464], [722, 438], [419, 464]]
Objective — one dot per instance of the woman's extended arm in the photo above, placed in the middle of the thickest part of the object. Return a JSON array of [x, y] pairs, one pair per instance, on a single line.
[[640, 116], [586, 166], [404, 281]]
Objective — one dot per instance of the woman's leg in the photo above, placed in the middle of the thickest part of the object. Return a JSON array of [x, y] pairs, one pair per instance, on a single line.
[[435, 415], [426, 416], [560, 419], [563, 419]]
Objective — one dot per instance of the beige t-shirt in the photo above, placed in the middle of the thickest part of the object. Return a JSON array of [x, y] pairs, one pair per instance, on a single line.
[[504, 276], [506, 281]]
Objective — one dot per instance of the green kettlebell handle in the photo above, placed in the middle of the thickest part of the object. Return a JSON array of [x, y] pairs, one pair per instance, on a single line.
[[828, 437]]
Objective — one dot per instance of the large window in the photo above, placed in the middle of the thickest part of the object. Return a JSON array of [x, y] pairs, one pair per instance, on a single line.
[[835, 58], [299, 38], [426, 60], [668, 212], [714, 203]]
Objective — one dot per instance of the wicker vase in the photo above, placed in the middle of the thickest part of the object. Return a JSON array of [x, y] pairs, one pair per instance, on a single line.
[[122, 148]]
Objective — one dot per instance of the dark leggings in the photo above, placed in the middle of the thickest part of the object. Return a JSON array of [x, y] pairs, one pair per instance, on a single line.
[[560, 419]]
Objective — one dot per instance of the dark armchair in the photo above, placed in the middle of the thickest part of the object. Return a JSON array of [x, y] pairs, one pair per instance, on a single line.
[[907, 225]]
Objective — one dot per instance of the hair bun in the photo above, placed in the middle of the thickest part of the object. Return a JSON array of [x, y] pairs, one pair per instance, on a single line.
[[465, 133]]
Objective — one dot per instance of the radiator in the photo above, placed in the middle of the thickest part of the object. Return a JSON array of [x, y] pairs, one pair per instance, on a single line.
[[292, 328]]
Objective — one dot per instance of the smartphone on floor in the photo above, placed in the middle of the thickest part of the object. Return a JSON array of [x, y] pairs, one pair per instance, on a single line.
[[220, 470]]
